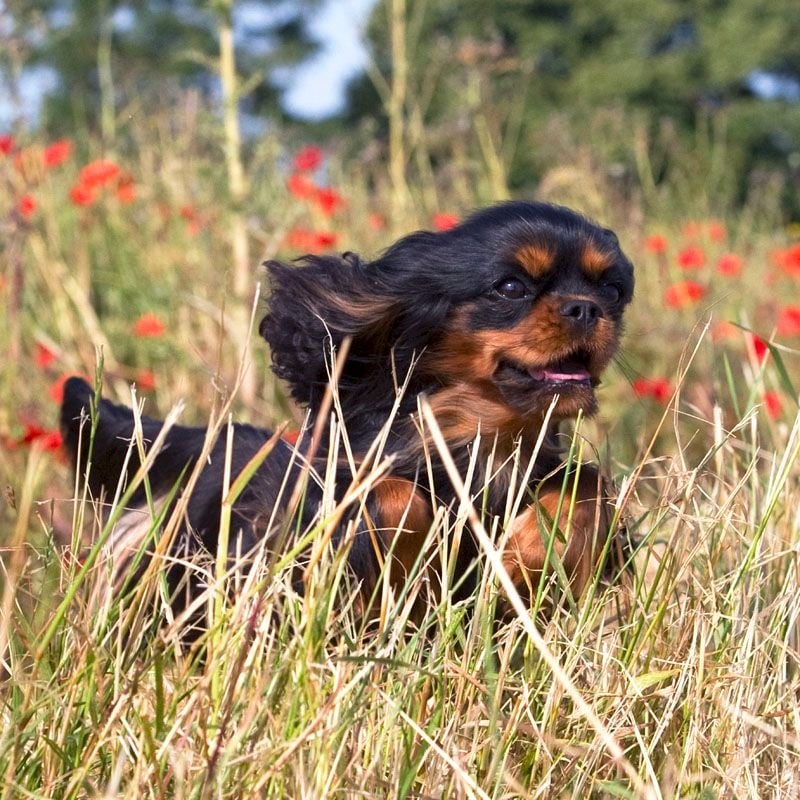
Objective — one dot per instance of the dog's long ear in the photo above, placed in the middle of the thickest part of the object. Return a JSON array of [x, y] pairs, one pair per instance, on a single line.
[[315, 305], [312, 308]]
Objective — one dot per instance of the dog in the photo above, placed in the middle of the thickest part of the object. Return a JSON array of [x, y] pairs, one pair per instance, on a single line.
[[502, 325]]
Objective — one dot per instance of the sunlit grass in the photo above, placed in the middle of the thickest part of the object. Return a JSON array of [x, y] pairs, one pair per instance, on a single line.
[[690, 667]]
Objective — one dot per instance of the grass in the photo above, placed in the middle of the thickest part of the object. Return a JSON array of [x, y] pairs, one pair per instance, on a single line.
[[680, 682]]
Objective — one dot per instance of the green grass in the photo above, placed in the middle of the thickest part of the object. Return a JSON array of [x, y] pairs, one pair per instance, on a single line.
[[680, 682]]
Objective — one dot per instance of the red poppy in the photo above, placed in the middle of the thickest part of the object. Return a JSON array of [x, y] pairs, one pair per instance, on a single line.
[[307, 159], [773, 404], [126, 193], [56, 390], [310, 241], [32, 433], [789, 321], [659, 389], [329, 201], [26, 206], [57, 153], [789, 259], [443, 221], [99, 173], [47, 440], [656, 243], [722, 331], [376, 222], [301, 186], [148, 326], [729, 264], [6, 144], [325, 239], [299, 239], [82, 195], [52, 441], [684, 293], [126, 189], [691, 257], [716, 231], [44, 356], [291, 437], [145, 380], [759, 346]]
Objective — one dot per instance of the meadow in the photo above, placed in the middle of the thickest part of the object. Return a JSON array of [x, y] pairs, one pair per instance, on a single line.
[[680, 681]]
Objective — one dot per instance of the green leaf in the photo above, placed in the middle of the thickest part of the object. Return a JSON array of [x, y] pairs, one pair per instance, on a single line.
[[648, 679]]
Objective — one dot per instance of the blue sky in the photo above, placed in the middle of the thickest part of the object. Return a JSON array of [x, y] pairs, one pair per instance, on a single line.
[[317, 88]]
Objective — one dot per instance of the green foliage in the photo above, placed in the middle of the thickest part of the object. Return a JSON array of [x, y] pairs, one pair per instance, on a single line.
[[520, 63]]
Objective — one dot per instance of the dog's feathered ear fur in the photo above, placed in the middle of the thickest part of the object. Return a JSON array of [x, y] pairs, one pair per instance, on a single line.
[[383, 305]]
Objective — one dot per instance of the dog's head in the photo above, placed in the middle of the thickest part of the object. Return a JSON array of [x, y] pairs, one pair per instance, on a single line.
[[495, 317]]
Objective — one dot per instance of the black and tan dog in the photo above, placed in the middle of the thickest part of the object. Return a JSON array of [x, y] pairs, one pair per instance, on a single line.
[[490, 321]]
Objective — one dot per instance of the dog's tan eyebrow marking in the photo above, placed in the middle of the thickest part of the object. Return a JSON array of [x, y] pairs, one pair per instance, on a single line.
[[594, 260], [537, 260]]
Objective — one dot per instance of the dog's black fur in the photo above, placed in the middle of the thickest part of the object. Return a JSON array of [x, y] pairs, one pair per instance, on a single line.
[[489, 321]]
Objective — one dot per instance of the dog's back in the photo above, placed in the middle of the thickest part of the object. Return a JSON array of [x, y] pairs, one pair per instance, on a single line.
[[106, 443], [101, 440]]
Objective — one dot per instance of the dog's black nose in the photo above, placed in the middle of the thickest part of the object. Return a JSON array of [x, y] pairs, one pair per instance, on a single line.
[[581, 313]]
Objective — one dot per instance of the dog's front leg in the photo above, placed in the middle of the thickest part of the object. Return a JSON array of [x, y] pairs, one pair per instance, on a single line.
[[394, 547], [570, 521]]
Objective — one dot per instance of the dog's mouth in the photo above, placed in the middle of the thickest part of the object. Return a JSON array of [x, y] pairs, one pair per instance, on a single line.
[[571, 371]]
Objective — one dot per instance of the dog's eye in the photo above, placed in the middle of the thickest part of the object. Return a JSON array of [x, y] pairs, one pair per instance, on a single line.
[[612, 292], [511, 288]]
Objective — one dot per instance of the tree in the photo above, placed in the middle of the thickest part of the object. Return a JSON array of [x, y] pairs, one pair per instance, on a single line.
[[103, 53], [518, 63]]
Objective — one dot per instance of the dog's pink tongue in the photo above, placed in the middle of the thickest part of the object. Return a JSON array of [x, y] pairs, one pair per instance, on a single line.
[[561, 377]]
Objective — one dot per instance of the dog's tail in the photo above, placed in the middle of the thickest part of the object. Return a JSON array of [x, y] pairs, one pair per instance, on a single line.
[[99, 434]]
